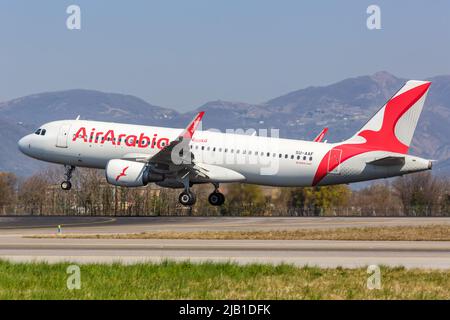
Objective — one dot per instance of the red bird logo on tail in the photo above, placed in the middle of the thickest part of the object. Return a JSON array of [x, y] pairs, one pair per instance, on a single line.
[[122, 174], [383, 139]]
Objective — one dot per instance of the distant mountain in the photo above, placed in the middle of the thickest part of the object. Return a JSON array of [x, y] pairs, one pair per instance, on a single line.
[[231, 115], [343, 107], [36, 109]]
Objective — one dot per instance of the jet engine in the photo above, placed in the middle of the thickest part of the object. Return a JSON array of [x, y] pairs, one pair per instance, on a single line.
[[130, 173]]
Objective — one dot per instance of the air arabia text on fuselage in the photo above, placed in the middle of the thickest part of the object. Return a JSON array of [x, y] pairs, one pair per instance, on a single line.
[[130, 140]]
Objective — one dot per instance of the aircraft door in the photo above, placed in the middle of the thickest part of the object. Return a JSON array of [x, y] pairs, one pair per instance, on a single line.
[[63, 136], [334, 161]]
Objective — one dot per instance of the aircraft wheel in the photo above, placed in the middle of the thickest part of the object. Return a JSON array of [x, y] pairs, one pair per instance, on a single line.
[[216, 199], [187, 198], [66, 185]]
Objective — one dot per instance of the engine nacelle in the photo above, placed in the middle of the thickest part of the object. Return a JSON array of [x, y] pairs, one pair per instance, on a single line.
[[130, 173]]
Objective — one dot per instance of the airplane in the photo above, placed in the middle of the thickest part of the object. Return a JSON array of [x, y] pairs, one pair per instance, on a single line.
[[134, 155]]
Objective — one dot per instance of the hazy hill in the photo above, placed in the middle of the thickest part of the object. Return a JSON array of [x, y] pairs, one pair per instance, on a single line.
[[36, 109]]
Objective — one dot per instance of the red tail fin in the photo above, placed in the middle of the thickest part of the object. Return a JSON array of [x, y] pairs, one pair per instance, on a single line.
[[392, 127]]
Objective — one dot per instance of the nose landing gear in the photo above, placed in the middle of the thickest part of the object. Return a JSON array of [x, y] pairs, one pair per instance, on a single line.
[[66, 184]]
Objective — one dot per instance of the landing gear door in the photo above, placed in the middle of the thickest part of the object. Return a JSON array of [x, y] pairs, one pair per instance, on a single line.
[[334, 161], [63, 136]]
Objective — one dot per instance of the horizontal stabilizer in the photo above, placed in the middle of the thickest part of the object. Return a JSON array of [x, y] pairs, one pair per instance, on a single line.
[[388, 161]]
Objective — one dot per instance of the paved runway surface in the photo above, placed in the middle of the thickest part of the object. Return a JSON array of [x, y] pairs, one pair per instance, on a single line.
[[13, 246], [140, 224]]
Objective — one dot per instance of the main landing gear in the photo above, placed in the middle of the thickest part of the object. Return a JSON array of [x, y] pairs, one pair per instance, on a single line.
[[216, 198], [188, 198], [66, 184]]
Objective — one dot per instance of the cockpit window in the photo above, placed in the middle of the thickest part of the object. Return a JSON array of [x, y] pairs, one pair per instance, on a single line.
[[38, 131], [43, 131]]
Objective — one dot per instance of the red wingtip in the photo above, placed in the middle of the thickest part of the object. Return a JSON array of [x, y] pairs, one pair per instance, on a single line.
[[322, 134], [193, 125]]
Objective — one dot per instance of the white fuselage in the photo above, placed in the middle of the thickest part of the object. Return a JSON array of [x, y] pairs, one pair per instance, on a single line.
[[261, 160]]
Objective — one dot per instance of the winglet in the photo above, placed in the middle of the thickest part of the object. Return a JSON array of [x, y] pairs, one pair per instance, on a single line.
[[189, 131], [321, 135]]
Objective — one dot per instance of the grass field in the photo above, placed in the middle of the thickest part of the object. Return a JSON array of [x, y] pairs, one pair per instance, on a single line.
[[398, 233], [170, 280]]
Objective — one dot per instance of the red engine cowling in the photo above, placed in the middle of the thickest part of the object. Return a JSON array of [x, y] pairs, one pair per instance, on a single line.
[[130, 173]]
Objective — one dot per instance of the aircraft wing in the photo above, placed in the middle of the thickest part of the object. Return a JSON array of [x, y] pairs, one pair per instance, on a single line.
[[168, 155], [138, 157], [212, 173], [321, 135], [176, 159]]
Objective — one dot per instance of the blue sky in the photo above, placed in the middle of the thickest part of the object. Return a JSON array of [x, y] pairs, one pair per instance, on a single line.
[[181, 54]]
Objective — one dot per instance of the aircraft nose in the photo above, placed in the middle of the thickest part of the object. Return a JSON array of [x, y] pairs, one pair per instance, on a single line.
[[24, 144]]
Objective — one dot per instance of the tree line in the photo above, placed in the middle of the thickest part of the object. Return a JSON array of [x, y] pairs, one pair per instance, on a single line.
[[420, 194]]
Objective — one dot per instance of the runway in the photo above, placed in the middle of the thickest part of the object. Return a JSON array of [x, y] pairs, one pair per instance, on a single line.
[[14, 247], [33, 225]]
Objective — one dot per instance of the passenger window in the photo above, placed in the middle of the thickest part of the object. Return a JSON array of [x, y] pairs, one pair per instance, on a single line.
[[280, 155], [310, 158], [285, 156], [292, 156], [298, 157], [203, 147]]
